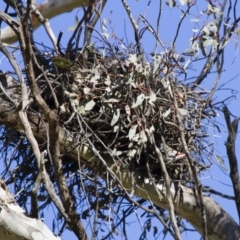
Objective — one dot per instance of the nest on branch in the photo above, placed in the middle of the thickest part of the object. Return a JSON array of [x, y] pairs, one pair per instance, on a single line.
[[130, 108]]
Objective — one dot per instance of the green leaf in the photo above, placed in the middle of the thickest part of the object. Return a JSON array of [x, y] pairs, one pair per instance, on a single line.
[[81, 110], [132, 153], [165, 114], [183, 2], [132, 132], [221, 163], [183, 111], [72, 28], [116, 153], [139, 100], [207, 42], [115, 118], [152, 98], [89, 106]]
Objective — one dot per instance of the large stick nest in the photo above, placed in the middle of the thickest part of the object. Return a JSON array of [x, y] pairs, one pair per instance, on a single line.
[[117, 100]]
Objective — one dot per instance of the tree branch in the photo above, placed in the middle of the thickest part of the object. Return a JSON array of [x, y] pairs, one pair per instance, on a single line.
[[48, 9], [230, 146], [15, 225], [220, 225]]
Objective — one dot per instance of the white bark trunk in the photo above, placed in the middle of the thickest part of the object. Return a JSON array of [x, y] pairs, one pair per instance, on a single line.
[[49, 9], [15, 225]]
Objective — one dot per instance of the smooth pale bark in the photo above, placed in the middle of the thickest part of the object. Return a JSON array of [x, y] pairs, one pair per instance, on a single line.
[[15, 225], [220, 224], [48, 9]]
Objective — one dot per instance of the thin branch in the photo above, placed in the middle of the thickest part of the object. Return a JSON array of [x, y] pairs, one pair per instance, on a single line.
[[193, 169], [134, 24], [231, 152], [27, 52], [167, 182]]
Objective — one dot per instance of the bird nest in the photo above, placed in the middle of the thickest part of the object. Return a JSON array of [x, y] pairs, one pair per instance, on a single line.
[[130, 108]]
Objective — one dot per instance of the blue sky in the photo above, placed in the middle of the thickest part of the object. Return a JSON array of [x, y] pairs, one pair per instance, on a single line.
[[118, 24]]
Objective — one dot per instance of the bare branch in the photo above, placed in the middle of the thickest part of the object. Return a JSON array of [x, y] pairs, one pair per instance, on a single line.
[[233, 162], [48, 9]]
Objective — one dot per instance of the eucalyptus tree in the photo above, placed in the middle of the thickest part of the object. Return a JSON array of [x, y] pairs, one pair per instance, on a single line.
[[100, 131]]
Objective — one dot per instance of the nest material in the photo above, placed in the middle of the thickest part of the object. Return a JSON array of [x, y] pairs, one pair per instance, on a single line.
[[115, 101]]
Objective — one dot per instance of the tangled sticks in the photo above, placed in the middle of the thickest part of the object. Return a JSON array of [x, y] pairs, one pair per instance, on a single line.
[[117, 100]]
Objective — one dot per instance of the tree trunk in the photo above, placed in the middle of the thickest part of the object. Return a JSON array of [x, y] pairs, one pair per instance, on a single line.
[[15, 225]]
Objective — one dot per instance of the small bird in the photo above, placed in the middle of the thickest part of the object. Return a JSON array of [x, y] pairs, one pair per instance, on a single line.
[[169, 154]]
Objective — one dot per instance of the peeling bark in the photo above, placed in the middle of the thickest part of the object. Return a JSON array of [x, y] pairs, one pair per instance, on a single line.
[[15, 225]]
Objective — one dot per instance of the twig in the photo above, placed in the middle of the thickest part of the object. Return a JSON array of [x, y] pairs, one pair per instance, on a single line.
[[50, 189], [190, 161], [134, 24], [167, 182]]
